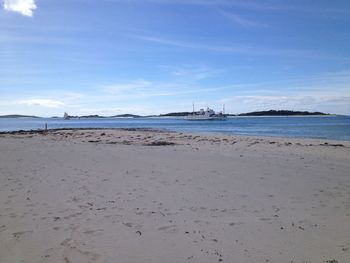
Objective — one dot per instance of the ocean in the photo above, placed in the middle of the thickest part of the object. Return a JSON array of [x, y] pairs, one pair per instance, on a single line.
[[330, 127]]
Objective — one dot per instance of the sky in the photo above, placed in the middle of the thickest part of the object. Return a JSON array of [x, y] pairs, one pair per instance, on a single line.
[[111, 57]]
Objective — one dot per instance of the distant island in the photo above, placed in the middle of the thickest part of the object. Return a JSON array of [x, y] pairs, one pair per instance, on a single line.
[[175, 114], [255, 113], [282, 113], [86, 116], [126, 116], [18, 116], [185, 113], [98, 116]]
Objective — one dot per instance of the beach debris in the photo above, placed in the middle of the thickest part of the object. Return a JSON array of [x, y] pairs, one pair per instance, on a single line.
[[159, 143], [138, 232], [111, 142], [332, 144], [160, 212], [331, 261], [219, 255], [94, 141]]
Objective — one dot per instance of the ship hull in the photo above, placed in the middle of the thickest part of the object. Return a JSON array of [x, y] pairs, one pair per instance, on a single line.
[[197, 118]]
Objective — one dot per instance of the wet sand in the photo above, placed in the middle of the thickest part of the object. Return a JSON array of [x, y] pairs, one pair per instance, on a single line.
[[104, 195]]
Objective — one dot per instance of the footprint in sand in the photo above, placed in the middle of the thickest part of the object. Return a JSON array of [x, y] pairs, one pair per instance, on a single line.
[[73, 254], [169, 229], [264, 219], [94, 232], [2, 228], [129, 224], [18, 235], [236, 223]]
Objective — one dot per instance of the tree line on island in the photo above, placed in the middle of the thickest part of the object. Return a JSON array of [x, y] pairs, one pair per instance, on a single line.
[[185, 113]]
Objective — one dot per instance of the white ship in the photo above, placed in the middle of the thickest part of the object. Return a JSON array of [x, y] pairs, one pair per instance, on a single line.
[[205, 115], [66, 116]]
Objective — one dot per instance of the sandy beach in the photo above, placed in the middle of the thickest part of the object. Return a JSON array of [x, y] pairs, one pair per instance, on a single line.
[[103, 195]]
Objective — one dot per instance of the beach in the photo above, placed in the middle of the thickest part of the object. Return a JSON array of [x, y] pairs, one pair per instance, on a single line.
[[142, 195]]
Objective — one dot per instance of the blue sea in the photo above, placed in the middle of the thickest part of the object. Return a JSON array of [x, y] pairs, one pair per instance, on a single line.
[[330, 127]]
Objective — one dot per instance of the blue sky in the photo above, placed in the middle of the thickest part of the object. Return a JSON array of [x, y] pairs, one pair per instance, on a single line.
[[155, 56]]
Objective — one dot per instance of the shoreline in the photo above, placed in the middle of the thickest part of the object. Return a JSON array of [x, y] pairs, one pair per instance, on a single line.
[[210, 134], [130, 195]]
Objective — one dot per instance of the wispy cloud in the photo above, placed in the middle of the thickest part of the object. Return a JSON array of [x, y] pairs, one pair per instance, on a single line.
[[26, 39], [242, 21], [219, 3], [120, 88], [191, 45], [241, 49], [135, 90], [24, 7], [48, 103], [191, 73]]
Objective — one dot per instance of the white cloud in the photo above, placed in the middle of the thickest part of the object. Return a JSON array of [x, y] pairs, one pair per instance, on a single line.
[[48, 103], [24, 7]]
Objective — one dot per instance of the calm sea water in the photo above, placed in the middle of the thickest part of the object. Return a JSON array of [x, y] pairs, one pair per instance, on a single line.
[[337, 127]]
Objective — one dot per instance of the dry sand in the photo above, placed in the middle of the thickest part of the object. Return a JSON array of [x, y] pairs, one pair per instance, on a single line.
[[79, 196]]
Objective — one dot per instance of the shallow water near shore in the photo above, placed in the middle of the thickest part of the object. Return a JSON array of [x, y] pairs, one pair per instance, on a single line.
[[330, 127]]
